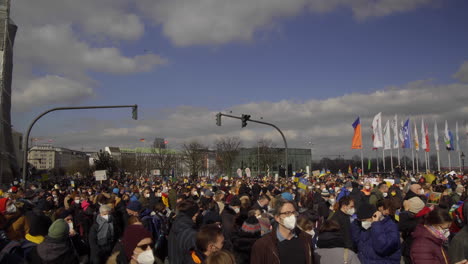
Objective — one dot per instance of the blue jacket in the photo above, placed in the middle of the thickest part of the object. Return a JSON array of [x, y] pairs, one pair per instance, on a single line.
[[379, 244]]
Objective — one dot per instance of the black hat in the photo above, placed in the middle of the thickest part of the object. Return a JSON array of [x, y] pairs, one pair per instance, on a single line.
[[366, 211], [235, 201]]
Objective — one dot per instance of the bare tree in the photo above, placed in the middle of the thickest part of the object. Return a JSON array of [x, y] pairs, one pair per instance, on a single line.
[[78, 166], [195, 157], [265, 154], [227, 149], [163, 159]]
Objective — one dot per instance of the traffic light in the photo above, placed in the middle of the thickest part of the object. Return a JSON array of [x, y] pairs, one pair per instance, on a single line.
[[135, 112], [245, 118], [218, 119]]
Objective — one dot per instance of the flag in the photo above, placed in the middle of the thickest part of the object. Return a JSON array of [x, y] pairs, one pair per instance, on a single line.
[[302, 183], [377, 131], [357, 138], [350, 170], [406, 134], [456, 133], [142, 140], [436, 136], [386, 136], [368, 164], [416, 138], [448, 138], [424, 136], [402, 137], [395, 132]]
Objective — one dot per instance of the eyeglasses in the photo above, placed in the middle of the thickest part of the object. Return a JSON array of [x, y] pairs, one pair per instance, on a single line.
[[145, 246], [289, 213]]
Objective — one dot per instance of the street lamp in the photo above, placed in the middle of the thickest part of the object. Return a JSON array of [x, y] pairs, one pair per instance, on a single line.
[[462, 156]]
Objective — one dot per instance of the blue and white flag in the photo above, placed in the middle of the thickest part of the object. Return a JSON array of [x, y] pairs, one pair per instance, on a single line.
[[406, 134]]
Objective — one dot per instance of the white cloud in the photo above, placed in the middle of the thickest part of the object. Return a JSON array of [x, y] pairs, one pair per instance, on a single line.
[[327, 123], [200, 22], [462, 73], [49, 89]]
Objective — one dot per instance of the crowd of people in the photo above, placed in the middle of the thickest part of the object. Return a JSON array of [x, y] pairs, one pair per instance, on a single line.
[[329, 219]]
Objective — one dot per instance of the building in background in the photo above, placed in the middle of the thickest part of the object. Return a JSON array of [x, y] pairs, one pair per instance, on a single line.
[[159, 143], [48, 157]]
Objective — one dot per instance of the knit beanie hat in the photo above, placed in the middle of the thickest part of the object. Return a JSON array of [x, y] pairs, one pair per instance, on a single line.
[[132, 236], [38, 223], [251, 225], [115, 190], [287, 196], [235, 201], [58, 229], [325, 193], [415, 204], [134, 206], [366, 211]]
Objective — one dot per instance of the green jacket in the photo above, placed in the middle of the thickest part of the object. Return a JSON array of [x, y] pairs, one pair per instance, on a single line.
[[375, 197]]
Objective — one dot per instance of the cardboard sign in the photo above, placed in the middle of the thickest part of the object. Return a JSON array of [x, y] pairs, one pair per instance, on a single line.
[[434, 197], [247, 172], [239, 173], [316, 173], [100, 175]]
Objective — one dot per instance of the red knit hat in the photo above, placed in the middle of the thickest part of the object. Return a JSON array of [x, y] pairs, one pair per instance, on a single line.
[[132, 236], [3, 203]]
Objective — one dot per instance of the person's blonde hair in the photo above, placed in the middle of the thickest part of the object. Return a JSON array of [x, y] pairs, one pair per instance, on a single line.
[[221, 257]]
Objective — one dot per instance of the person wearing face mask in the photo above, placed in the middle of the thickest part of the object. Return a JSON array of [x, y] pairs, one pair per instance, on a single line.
[[458, 249], [343, 217], [102, 236], [15, 223], [228, 220], [430, 240], [366, 191], [379, 194], [376, 237], [415, 190], [209, 239], [330, 246], [136, 247], [285, 243]]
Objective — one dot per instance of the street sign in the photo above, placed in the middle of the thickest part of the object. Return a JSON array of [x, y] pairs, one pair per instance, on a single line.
[[100, 175]]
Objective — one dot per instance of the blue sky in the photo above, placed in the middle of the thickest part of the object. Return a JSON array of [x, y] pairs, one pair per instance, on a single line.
[[301, 54]]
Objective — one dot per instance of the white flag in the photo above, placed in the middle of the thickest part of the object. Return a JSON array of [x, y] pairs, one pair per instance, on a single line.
[[402, 137], [416, 138], [387, 137], [395, 132], [377, 130], [456, 136], [436, 136], [423, 135], [448, 138]]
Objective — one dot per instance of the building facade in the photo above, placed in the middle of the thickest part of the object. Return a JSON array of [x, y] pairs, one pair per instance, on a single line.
[[49, 157]]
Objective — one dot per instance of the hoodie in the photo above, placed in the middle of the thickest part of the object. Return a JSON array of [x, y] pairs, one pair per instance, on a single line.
[[181, 238]]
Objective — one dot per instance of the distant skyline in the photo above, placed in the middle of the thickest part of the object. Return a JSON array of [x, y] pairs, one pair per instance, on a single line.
[[309, 66]]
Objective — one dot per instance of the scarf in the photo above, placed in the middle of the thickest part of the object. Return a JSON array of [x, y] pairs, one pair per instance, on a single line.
[[105, 231]]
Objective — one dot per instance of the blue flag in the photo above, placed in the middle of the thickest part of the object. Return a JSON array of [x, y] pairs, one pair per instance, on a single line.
[[406, 134]]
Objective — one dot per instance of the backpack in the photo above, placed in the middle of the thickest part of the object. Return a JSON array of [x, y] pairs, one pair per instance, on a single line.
[[157, 225]]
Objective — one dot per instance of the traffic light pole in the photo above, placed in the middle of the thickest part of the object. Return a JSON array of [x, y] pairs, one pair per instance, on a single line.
[[268, 124], [26, 138]]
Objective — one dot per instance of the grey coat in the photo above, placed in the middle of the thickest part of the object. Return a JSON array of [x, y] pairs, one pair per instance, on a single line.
[[334, 255]]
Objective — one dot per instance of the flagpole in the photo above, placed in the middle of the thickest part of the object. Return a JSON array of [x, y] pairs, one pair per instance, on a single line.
[[438, 161], [450, 162], [399, 164], [425, 159], [412, 158], [377, 158], [362, 163], [404, 154], [417, 161], [383, 158], [391, 159], [459, 161]]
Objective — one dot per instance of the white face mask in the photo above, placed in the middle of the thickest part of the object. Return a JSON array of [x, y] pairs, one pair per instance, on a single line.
[[70, 225], [290, 222], [11, 209], [351, 211], [367, 187], [385, 194], [331, 201], [145, 257], [147, 195], [421, 192], [446, 232], [237, 210], [106, 217], [311, 232], [366, 224], [77, 201], [158, 195]]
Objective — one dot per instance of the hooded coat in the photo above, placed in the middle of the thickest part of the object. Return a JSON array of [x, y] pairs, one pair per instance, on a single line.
[[458, 249], [54, 251], [379, 244], [331, 250], [181, 238], [427, 248]]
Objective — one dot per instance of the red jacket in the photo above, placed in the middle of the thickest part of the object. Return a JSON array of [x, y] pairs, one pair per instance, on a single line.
[[427, 248]]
